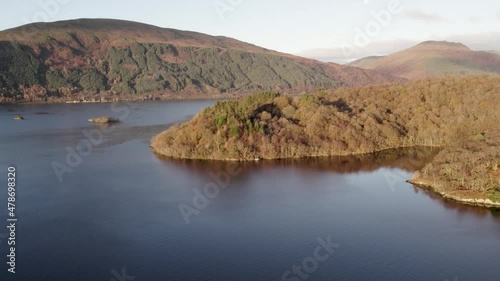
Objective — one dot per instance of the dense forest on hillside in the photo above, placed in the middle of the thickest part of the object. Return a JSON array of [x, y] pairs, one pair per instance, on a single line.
[[144, 68], [461, 114], [109, 60]]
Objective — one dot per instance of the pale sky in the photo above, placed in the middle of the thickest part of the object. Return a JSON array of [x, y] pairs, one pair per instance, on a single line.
[[328, 30]]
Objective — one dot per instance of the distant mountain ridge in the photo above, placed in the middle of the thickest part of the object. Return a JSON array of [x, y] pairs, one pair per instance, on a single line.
[[110, 59], [434, 59]]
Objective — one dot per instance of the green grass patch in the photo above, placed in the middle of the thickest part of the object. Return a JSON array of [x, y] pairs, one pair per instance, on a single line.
[[495, 197], [479, 137]]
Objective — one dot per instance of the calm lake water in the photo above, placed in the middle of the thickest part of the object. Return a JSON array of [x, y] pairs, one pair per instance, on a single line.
[[116, 215]]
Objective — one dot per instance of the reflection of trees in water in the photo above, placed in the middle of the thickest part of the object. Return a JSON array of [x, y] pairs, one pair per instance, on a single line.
[[409, 159]]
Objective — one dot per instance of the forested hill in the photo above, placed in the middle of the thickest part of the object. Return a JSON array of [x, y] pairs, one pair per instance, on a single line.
[[110, 59]]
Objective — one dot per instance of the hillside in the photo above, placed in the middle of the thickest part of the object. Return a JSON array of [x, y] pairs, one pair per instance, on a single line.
[[434, 59], [459, 114], [111, 59]]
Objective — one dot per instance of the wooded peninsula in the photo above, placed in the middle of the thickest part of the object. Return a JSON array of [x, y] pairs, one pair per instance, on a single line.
[[460, 115]]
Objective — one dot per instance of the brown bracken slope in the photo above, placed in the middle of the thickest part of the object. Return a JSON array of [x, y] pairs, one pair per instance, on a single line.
[[434, 59]]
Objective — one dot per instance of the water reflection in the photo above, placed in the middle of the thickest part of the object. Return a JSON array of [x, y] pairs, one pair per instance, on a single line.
[[407, 159]]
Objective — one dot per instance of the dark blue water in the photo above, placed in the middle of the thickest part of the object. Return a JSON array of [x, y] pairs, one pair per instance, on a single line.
[[115, 215]]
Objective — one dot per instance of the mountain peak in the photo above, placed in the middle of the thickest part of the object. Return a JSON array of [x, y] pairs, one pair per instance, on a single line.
[[434, 59], [441, 45]]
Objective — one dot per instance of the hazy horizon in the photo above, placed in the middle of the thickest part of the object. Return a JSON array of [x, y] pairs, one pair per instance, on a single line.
[[333, 31]]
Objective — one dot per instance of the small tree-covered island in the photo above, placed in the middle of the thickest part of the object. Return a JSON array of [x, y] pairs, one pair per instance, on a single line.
[[459, 115]]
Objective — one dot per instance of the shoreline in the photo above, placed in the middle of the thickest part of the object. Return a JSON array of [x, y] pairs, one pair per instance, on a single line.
[[435, 146], [479, 202], [124, 100], [157, 98]]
